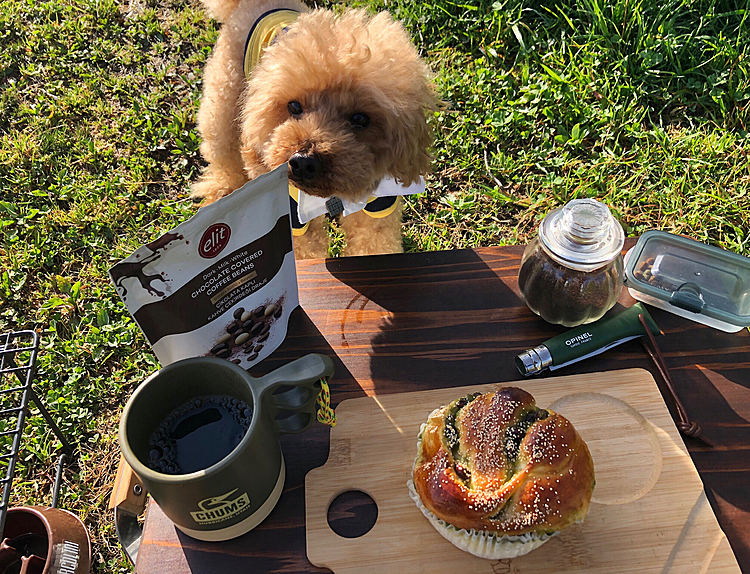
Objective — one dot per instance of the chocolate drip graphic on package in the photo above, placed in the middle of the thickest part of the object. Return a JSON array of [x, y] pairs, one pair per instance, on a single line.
[[128, 269]]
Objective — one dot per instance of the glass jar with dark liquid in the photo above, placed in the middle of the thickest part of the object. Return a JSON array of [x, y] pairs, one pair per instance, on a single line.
[[572, 272]]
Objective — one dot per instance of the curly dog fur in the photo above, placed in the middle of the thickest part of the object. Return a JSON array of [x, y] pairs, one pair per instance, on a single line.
[[334, 67]]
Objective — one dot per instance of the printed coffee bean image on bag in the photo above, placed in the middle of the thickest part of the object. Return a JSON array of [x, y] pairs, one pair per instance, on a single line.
[[222, 283]]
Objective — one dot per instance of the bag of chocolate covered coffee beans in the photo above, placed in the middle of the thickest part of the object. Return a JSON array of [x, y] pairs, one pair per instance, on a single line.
[[221, 284]]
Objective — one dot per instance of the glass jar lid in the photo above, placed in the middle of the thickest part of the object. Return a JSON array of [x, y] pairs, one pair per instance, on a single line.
[[582, 235], [700, 282]]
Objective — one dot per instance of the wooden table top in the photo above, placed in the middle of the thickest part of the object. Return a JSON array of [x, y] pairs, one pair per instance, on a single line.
[[429, 320]]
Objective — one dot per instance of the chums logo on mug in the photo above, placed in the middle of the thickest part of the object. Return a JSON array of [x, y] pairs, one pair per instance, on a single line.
[[220, 508], [214, 240]]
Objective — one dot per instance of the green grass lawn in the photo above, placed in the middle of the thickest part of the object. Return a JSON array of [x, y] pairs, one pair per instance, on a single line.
[[644, 104]]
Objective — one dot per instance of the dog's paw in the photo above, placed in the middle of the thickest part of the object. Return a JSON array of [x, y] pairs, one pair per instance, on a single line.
[[211, 189]]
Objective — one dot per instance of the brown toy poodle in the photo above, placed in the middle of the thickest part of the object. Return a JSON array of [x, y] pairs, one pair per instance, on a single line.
[[342, 99]]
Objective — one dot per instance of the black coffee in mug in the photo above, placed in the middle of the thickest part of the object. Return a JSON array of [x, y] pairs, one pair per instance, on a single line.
[[198, 434]]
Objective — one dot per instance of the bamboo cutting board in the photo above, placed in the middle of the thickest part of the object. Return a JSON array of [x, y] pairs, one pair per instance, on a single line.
[[648, 512]]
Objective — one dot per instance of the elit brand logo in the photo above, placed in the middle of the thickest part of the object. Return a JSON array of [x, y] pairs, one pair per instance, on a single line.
[[220, 508], [214, 240]]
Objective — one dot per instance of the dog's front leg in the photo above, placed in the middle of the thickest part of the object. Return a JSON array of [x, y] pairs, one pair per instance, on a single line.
[[313, 244], [367, 235]]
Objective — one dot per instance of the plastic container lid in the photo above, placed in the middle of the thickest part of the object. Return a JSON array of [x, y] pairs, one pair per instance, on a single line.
[[691, 279], [582, 235]]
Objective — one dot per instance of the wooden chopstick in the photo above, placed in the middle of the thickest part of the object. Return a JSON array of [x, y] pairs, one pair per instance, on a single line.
[[685, 425]]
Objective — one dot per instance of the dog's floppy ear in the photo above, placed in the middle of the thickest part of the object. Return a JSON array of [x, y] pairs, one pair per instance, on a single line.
[[411, 133], [411, 146]]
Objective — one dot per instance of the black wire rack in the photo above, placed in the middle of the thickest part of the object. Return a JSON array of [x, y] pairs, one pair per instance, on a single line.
[[18, 353]]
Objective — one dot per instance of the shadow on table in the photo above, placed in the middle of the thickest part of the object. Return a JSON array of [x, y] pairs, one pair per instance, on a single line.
[[725, 419], [278, 543], [303, 337], [454, 317]]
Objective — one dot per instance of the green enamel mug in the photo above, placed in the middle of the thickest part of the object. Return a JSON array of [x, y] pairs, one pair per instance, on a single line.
[[231, 496]]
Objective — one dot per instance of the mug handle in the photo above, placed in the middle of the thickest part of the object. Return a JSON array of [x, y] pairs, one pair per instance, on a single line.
[[293, 410]]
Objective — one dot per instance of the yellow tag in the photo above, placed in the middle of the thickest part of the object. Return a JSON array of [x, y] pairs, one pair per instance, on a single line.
[[326, 414]]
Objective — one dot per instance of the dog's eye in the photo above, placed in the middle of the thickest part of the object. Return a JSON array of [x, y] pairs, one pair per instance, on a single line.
[[360, 120], [295, 108]]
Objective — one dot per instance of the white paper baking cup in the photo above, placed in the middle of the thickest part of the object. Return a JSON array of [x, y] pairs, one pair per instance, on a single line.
[[479, 543]]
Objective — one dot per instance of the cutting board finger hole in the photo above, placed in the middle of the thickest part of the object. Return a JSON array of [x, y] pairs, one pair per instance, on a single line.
[[352, 514]]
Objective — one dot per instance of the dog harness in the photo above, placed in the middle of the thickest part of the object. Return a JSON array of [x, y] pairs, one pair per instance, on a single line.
[[264, 32], [304, 207]]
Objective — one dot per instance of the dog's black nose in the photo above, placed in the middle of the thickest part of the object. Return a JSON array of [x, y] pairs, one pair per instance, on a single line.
[[305, 166]]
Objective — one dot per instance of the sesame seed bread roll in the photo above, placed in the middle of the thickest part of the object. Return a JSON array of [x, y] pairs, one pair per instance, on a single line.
[[498, 476]]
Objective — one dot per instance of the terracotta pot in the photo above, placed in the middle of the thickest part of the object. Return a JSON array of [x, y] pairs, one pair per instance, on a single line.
[[41, 540]]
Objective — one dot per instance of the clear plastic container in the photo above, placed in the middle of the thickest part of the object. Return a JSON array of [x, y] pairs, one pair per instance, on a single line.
[[705, 284], [572, 272]]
